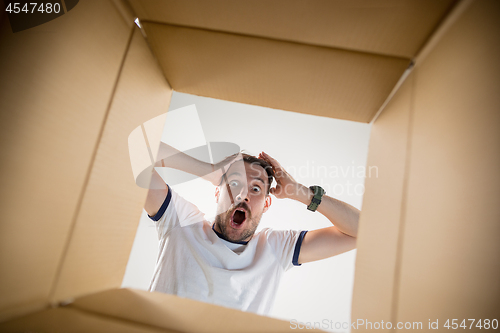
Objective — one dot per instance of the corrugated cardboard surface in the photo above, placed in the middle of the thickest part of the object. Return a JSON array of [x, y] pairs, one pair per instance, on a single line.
[[55, 87], [107, 221], [66, 178], [262, 53], [380, 219], [446, 263], [74, 88], [176, 313], [128, 310], [277, 74], [390, 27], [451, 244], [71, 320]]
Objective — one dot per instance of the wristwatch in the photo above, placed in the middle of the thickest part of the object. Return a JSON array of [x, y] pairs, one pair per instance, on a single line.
[[316, 200]]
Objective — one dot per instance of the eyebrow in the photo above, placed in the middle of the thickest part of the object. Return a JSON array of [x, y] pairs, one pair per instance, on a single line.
[[258, 178], [235, 173], [239, 174]]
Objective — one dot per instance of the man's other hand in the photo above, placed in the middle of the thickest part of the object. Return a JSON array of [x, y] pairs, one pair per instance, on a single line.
[[286, 187]]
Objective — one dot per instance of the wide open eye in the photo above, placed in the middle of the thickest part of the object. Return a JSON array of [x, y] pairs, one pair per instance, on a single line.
[[256, 189]]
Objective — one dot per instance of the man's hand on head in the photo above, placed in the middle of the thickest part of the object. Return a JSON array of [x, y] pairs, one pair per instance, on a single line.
[[286, 187], [325, 242]]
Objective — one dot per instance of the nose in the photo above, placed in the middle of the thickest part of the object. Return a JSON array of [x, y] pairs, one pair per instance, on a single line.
[[242, 195]]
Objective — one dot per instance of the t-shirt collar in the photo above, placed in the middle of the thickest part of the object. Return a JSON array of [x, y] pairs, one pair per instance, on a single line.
[[224, 238]]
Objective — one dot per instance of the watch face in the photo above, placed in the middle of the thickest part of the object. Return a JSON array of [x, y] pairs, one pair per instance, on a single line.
[[316, 200], [317, 190]]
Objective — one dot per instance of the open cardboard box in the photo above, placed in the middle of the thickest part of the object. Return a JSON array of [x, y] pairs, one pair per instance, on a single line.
[[425, 73]]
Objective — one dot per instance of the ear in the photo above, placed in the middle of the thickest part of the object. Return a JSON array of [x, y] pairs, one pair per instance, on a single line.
[[267, 204], [217, 194]]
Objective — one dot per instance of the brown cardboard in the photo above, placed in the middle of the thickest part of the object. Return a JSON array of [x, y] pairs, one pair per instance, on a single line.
[[54, 94], [70, 95], [453, 180], [70, 320], [393, 28], [277, 74], [123, 7], [127, 310], [73, 89], [141, 93], [175, 313], [223, 69], [441, 264], [381, 214]]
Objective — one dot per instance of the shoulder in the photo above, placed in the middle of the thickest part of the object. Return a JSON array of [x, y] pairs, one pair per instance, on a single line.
[[285, 245], [280, 238], [270, 233]]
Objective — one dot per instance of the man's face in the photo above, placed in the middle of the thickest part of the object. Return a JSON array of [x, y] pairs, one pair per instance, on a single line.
[[241, 201]]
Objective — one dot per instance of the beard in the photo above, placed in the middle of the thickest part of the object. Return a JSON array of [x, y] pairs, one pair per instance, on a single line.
[[222, 221]]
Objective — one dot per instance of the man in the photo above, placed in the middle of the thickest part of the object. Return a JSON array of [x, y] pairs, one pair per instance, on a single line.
[[226, 262]]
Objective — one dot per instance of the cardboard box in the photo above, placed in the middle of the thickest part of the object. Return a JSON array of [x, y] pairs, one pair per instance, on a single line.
[[72, 90], [430, 238], [126, 310]]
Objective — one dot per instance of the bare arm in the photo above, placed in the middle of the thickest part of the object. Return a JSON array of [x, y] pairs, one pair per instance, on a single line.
[[344, 216], [326, 242], [170, 157]]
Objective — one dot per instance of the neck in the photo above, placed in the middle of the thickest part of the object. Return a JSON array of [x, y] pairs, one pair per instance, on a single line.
[[220, 235]]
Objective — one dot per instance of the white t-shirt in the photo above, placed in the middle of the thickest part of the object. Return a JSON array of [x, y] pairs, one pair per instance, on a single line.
[[194, 262]]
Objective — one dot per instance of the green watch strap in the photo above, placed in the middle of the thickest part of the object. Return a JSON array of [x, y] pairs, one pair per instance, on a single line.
[[316, 200]]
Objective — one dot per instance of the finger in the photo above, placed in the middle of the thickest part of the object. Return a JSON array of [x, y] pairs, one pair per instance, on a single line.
[[272, 164], [275, 165], [271, 159], [268, 158]]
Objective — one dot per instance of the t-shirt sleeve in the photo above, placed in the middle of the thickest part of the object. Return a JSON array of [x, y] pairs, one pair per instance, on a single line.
[[174, 212], [286, 245]]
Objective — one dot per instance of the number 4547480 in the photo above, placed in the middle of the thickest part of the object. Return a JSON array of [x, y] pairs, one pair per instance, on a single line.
[[469, 323], [49, 8]]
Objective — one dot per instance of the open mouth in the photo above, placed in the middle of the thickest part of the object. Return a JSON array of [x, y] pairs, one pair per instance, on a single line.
[[238, 218]]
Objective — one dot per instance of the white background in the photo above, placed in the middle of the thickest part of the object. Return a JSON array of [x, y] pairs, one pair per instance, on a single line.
[[316, 151]]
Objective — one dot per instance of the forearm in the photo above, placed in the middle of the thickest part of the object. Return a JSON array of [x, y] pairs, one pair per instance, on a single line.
[[342, 215], [170, 157]]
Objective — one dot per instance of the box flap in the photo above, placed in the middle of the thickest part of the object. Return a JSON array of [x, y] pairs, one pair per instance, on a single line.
[[176, 313], [129, 310], [379, 230], [105, 228], [54, 92], [72, 320], [72, 90], [283, 75], [451, 243], [429, 239], [389, 27]]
